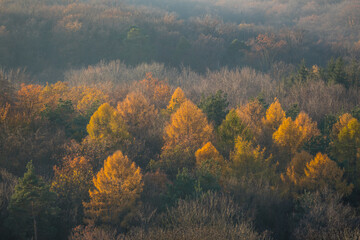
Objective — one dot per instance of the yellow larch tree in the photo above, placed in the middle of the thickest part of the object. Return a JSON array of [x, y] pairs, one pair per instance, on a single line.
[[322, 172], [107, 124], [188, 127], [307, 127], [288, 135], [293, 134], [187, 131], [274, 115], [209, 157], [176, 100], [117, 188]]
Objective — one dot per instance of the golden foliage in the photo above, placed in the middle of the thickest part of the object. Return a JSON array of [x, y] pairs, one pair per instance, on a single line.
[[274, 115], [307, 127], [341, 123], [51, 94], [177, 99], [252, 114], [117, 187], [158, 92], [107, 124], [295, 171], [248, 160], [88, 97], [188, 128], [138, 113], [208, 155], [322, 172], [346, 149], [293, 134], [288, 135], [29, 99]]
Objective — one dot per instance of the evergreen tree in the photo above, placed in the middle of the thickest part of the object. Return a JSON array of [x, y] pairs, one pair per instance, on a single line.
[[214, 106], [32, 208]]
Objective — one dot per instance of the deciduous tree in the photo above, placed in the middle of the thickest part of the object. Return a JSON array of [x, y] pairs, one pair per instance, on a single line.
[[117, 188], [274, 116], [210, 158], [346, 149], [176, 100], [139, 115], [252, 114], [322, 172], [72, 181], [107, 124], [247, 160]]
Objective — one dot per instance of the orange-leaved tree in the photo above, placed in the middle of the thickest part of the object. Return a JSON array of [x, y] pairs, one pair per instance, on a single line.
[[139, 115], [307, 127], [209, 158], [117, 189], [187, 131], [296, 168], [252, 114], [322, 172], [29, 101], [188, 127], [341, 123], [288, 135], [87, 98], [157, 91]]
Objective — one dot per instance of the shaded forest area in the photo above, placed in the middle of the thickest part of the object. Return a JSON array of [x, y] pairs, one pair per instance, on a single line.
[[179, 120]]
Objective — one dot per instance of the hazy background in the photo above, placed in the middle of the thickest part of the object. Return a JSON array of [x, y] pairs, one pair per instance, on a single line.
[[47, 38]]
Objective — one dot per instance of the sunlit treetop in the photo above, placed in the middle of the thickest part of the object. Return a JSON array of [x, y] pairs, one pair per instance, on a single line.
[[157, 91], [188, 127], [209, 155], [252, 114], [322, 172], [341, 123], [137, 112], [117, 187], [274, 115], [288, 135], [177, 99], [307, 127], [107, 124]]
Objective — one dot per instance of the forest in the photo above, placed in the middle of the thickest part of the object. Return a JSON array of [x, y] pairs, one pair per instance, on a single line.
[[189, 119]]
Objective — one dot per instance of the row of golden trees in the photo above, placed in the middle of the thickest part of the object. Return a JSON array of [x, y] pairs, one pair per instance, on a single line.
[[150, 148]]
